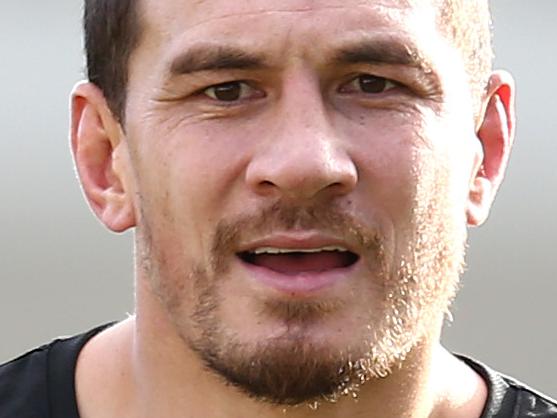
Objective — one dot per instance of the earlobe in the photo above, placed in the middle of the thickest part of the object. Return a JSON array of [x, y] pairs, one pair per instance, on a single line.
[[101, 158], [496, 134]]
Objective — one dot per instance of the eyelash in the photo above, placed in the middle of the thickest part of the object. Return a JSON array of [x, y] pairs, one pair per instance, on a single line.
[[246, 89], [356, 85]]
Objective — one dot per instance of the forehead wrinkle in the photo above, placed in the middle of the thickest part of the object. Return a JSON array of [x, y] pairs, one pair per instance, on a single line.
[[378, 21], [384, 12], [387, 8]]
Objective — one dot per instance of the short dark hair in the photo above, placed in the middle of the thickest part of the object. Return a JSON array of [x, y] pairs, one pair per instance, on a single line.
[[113, 30]]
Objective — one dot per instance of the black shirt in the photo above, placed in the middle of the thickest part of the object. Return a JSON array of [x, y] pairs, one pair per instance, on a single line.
[[40, 384]]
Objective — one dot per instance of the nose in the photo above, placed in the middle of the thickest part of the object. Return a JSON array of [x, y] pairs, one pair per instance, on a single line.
[[302, 158]]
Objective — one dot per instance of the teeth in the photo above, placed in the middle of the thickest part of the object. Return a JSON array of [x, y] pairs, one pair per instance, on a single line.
[[274, 250]]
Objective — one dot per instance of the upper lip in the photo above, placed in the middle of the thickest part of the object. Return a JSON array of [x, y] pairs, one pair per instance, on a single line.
[[298, 241]]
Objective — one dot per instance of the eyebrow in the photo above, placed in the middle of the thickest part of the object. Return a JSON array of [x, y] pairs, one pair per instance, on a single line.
[[389, 51], [211, 58], [374, 51], [382, 51]]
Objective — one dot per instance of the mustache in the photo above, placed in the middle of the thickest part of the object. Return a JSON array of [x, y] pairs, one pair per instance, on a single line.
[[281, 217]]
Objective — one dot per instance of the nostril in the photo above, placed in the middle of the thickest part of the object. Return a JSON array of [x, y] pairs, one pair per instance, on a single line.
[[266, 188], [338, 185]]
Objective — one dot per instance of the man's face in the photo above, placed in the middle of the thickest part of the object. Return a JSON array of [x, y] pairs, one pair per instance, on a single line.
[[302, 171]]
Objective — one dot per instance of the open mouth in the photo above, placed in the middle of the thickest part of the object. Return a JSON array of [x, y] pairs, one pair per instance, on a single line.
[[296, 261]]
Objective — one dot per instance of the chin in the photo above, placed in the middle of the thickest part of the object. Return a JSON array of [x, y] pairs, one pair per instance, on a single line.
[[299, 352], [297, 367]]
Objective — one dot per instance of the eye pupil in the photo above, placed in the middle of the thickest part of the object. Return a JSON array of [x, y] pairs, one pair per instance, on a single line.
[[372, 84], [228, 92]]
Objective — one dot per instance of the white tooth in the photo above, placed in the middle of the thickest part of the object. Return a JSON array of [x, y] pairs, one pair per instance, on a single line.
[[307, 250], [274, 250], [267, 250], [335, 248]]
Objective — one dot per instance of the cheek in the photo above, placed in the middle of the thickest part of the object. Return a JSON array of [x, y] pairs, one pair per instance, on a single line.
[[185, 178], [407, 160], [386, 150], [457, 149]]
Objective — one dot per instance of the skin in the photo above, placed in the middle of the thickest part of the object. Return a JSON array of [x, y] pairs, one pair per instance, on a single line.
[[184, 163]]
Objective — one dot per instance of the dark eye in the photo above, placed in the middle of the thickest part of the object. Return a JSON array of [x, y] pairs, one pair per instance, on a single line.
[[230, 92], [369, 84]]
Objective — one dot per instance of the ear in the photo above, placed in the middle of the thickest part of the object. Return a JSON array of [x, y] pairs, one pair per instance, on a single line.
[[101, 158], [496, 133]]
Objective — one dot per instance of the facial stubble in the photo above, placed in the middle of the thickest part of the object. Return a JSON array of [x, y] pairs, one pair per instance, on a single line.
[[291, 369]]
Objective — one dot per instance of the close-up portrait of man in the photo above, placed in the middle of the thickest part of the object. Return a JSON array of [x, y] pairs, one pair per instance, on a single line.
[[300, 177]]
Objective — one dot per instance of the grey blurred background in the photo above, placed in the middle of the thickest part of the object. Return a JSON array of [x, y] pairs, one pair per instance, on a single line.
[[61, 272]]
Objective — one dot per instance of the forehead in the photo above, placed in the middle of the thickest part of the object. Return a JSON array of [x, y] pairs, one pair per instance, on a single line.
[[200, 11], [272, 22]]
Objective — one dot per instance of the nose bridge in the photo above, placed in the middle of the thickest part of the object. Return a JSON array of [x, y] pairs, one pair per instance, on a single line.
[[303, 156], [303, 109], [306, 139]]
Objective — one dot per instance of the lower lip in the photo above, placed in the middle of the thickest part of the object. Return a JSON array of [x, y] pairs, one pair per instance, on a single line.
[[303, 284]]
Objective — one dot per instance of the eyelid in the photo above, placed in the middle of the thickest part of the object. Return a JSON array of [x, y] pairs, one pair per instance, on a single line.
[[355, 78], [246, 89]]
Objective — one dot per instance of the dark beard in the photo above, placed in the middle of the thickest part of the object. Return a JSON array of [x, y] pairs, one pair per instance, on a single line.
[[287, 370], [291, 369], [282, 371]]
